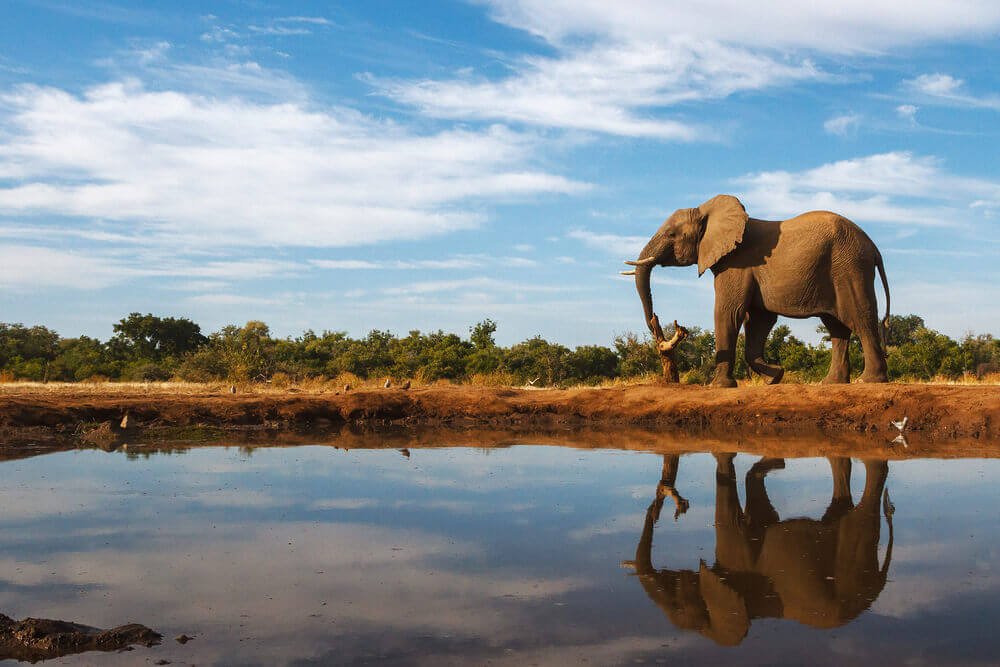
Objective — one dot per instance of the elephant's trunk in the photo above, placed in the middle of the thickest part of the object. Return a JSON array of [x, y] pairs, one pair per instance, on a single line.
[[645, 294], [650, 255]]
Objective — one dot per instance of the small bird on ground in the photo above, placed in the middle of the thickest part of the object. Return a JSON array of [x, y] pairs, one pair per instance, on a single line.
[[901, 425], [124, 424], [901, 440], [387, 384], [232, 389], [347, 388], [406, 385]]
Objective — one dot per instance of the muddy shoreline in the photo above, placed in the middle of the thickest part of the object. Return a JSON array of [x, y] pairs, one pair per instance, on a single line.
[[790, 421], [938, 411]]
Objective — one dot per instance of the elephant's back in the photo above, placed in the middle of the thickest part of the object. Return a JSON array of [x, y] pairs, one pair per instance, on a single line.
[[831, 229]]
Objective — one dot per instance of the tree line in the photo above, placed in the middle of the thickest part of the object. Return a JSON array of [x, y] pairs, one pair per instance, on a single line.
[[149, 348]]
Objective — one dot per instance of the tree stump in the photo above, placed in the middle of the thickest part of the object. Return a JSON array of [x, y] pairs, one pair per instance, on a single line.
[[666, 348]]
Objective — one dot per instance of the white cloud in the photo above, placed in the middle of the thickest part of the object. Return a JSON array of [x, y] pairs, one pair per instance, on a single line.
[[842, 125], [280, 30], [617, 65], [615, 244], [319, 20], [37, 267], [230, 171], [479, 283], [846, 26], [361, 265], [223, 299], [936, 84], [19, 268], [907, 112], [608, 88], [946, 89], [870, 189]]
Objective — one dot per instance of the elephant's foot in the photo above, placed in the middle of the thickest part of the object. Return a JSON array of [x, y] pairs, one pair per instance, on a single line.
[[771, 374], [874, 378], [723, 380], [836, 377]]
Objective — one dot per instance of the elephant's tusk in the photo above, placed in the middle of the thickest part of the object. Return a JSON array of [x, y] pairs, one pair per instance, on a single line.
[[641, 262], [627, 273]]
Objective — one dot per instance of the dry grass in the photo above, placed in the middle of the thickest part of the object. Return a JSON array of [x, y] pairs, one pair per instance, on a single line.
[[281, 384]]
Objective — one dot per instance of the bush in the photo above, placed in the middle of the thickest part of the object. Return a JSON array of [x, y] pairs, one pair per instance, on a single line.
[[149, 373]]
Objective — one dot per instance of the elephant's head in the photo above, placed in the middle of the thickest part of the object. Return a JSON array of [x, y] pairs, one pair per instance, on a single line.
[[702, 235]]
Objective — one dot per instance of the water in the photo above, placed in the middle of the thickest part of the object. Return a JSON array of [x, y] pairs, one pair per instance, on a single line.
[[520, 555]]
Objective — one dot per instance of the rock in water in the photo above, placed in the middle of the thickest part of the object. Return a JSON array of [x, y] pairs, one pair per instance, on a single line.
[[35, 639]]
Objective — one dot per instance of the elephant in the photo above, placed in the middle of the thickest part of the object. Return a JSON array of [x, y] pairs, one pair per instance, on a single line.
[[817, 264], [820, 573]]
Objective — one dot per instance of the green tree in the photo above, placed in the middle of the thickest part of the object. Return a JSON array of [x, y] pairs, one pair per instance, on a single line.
[[481, 334], [148, 337]]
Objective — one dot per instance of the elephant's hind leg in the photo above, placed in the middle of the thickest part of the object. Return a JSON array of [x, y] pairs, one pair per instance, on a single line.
[[875, 366], [758, 327], [859, 311], [840, 363]]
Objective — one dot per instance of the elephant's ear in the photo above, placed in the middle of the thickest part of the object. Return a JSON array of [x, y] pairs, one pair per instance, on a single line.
[[725, 220]]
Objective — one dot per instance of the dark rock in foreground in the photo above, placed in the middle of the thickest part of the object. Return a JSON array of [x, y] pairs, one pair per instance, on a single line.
[[35, 639]]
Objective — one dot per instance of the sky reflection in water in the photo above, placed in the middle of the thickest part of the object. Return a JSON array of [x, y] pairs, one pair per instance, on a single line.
[[314, 555]]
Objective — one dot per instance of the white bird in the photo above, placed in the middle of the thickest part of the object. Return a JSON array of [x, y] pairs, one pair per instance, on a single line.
[[387, 384], [901, 440], [532, 382], [901, 425], [232, 389]]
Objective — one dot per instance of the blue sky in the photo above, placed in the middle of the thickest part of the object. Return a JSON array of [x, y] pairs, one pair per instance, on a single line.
[[359, 165]]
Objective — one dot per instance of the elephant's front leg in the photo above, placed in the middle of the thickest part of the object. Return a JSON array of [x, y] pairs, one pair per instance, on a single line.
[[727, 327], [757, 329]]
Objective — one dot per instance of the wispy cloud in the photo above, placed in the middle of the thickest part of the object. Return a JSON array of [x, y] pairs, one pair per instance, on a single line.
[[280, 30], [478, 283], [235, 171], [318, 20], [876, 188], [946, 89], [848, 26], [842, 125], [76, 269], [608, 88], [619, 65], [615, 244]]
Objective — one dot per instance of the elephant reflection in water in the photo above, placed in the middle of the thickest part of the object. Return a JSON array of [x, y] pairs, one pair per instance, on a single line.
[[821, 573]]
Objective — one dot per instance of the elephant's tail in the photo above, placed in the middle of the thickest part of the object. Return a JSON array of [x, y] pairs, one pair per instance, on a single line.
[[884, 330]]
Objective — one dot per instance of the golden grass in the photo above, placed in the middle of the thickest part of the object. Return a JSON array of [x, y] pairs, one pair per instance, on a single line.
[[281, 384]]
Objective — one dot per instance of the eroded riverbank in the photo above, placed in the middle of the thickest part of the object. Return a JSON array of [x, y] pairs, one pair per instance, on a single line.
[[934, 411]]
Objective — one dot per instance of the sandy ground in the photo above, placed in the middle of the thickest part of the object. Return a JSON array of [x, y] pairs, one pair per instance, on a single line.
[[934, 411]]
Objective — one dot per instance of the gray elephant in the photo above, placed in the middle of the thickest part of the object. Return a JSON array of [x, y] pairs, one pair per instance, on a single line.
[[822, 573], [819, 264]]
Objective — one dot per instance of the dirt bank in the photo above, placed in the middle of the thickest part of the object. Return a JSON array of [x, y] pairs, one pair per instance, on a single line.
[[938, 411]]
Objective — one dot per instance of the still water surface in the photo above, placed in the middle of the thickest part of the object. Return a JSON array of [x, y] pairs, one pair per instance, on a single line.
[[521, 555]]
